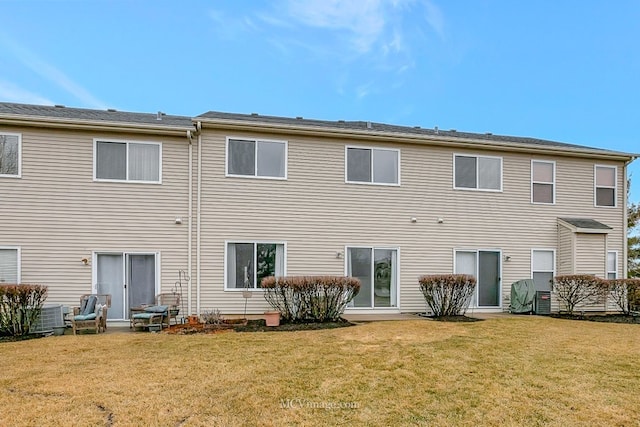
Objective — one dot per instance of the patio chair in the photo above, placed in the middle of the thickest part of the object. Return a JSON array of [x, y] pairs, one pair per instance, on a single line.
[[154, 317], [92, 313], [172, 300]]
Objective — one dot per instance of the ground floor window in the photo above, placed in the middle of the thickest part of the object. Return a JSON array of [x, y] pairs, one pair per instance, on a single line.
[[543, 268], [485, 266], [247, 263], [612, 265], [377, 269], [9, 265]]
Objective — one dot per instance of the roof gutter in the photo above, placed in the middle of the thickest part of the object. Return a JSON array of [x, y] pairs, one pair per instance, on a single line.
[[445, 141], [75, 124]]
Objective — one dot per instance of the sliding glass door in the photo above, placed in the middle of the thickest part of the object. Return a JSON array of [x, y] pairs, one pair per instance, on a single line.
[[130, 278], [485, 266], [377, 269]]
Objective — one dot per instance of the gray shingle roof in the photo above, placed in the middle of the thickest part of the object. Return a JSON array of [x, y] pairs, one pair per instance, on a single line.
[[394, 129], [586, 223], [82, 114]]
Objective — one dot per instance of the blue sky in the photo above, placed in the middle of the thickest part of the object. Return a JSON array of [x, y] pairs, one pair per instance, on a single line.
[[561, 70]]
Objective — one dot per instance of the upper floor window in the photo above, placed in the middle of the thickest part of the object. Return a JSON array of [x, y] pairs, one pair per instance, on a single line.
[[543, 181], [128, 161], [373, 165], [612, 265], [10, 148], [477, 172], [256, 158], [605, 185], [9, 265], [248, 263]]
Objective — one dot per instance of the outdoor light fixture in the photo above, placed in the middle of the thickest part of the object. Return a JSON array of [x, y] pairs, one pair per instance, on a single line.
[[84, 261]]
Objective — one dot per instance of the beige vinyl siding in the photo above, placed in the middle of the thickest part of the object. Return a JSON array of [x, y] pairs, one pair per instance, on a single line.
[[566, 251], [58, 215], [317, 214], [591, 254]]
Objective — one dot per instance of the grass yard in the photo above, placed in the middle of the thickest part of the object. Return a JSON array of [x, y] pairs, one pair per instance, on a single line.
[[505, 371]]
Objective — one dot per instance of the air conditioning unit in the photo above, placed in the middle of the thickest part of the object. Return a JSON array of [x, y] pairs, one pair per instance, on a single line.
[[543, 302], [51, 316]]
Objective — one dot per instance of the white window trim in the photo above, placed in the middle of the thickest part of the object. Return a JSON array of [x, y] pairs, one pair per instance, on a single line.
[[396, 307], [595, 186], [255, 165], [19, 175], [255, 243], [553, 202], [541, 271], [364, 147], [18, 263], [474, 299], [612, 271], [477, 156], [125, 141]]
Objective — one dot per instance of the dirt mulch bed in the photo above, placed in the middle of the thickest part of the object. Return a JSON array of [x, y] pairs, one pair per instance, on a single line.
[[451, 318], [608, 318], [259, 325]]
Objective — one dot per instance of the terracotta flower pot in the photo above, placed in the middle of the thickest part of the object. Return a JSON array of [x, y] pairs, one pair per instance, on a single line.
[[194, 320], [272, 318]]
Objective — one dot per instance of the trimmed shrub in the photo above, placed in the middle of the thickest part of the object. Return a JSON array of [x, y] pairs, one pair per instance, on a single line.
[[576, 289], [310, 298], [625, 293], [20, 307], [447, 294]]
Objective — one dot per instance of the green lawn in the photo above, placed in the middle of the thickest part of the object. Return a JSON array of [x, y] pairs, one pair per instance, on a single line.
[[505, 371]]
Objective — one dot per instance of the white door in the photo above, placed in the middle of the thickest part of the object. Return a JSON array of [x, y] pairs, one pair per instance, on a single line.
[[485, 267], [377, 270], [131, 280]]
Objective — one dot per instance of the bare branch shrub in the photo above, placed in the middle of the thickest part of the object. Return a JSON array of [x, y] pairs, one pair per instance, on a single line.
[[310, 298], [625, 293], [579, 288], [20, 307], [212, 317], [447, 294]]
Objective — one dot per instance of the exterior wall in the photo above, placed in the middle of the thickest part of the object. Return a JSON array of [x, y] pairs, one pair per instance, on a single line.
[[566, 252], [58, 215], [317, 214], [591, 254]]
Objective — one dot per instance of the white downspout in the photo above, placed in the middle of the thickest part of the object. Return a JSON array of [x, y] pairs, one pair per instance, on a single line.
[[190, 225], [198, 196]]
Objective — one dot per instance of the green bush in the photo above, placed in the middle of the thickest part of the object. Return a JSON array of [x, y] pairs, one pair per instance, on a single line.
[[20, 307], [447, 294], [577, 289], [310, 298]]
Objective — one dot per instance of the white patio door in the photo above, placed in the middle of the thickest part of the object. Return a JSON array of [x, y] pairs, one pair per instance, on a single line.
[[484, 265], [130, 278], [377, 269]]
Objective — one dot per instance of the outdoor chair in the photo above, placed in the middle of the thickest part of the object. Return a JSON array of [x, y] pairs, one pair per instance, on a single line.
[[172, 300], [92, 313], [154, 317]]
